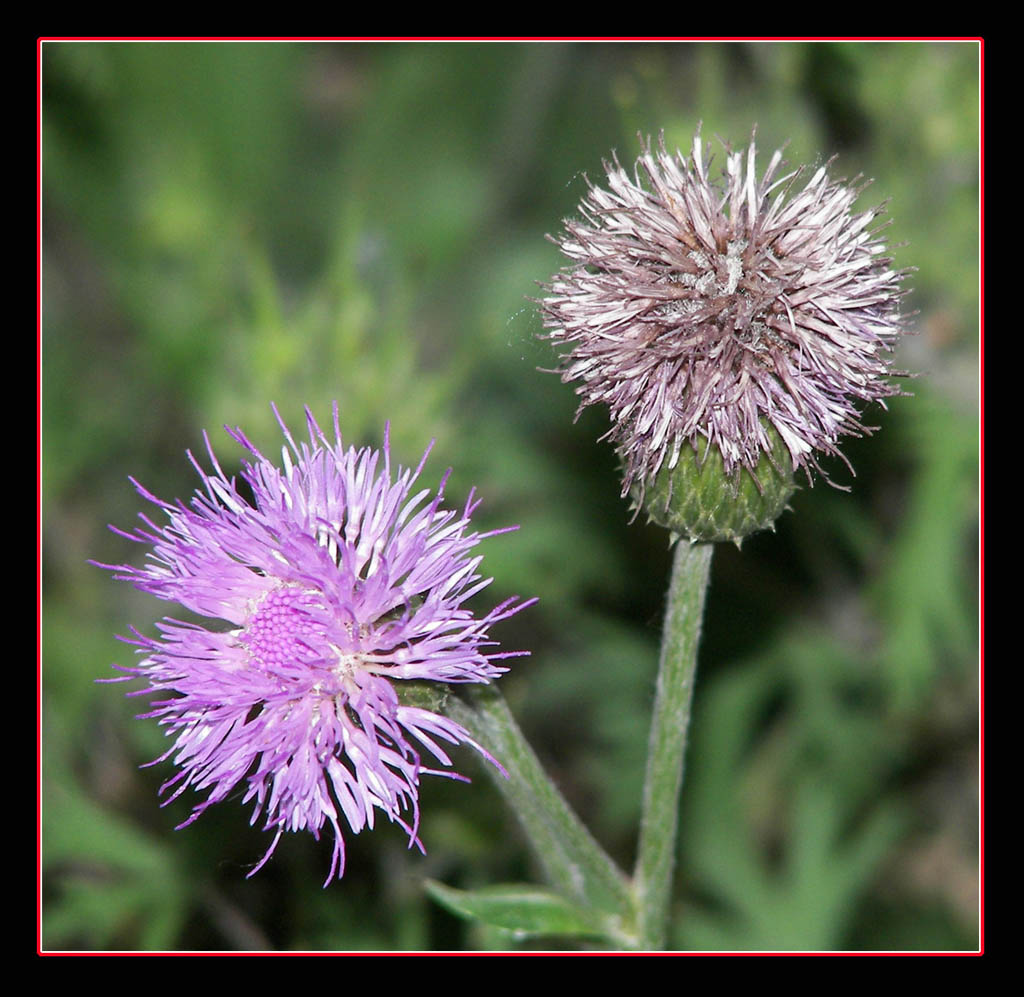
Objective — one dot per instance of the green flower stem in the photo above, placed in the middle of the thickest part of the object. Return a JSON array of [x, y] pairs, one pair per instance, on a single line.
[[573, 861], [666, 750]]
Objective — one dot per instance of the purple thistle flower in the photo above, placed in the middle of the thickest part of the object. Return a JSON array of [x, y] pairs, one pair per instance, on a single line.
[[335, 582], [716, 309]]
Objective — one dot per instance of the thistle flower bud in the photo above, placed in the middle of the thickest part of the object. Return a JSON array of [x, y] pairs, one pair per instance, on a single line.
[[733, 325]]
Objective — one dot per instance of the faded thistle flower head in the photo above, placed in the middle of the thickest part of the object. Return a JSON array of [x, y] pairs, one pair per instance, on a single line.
[[736, 321], [332, 584]]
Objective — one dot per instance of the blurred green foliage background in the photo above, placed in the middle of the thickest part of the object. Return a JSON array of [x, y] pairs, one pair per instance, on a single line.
[[230, 224]]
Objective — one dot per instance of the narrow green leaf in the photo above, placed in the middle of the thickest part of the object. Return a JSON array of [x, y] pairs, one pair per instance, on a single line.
[[520, 908]]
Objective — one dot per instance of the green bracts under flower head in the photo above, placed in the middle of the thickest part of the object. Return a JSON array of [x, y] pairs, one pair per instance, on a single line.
[[698, 500]]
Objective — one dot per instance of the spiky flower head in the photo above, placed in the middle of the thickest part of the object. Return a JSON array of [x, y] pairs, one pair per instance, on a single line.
[[333, 586], [741, 317]]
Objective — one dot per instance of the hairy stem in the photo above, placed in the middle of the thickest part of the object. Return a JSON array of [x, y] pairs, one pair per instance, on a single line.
[[652, 881], [573, 861]]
